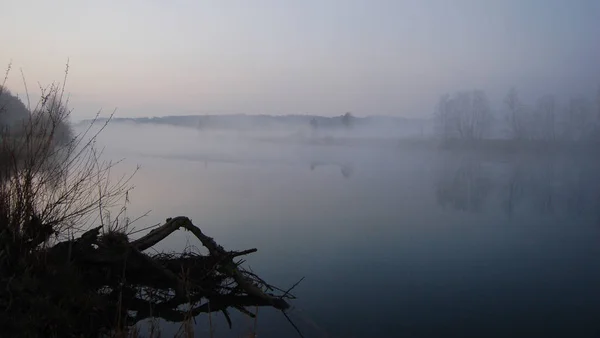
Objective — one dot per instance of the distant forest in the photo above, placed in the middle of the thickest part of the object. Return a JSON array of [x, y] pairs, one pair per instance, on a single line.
[[242, 121], [465, 119]]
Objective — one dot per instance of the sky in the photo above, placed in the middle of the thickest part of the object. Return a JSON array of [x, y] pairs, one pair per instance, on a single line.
[[327, 57]]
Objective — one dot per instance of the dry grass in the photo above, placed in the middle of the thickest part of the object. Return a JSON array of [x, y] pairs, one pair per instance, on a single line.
[[54, 186]]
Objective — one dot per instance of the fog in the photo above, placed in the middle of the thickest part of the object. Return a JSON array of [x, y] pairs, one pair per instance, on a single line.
[[454, 241], [315, 57], [429, 167]]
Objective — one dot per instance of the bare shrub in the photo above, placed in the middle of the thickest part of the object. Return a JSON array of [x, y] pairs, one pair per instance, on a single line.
[[53, 182]]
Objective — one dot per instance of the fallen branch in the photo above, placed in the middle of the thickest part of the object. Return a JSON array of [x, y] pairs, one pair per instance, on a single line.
[[115, 275], [215, 250]]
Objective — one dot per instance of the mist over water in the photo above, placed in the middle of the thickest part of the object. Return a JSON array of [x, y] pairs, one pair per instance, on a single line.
[[392, 242], [429, 167]]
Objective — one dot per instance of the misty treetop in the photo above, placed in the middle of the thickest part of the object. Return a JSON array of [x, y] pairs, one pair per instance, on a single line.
[[466, 115], [243, 121], [469, 116]]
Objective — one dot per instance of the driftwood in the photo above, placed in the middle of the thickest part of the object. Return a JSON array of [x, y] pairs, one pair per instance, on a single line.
[[227, 265], [119, 284]]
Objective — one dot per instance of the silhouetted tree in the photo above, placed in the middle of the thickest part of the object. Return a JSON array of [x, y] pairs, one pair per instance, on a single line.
[[578, 120], [347, 120], [516, 117], [442, 118], [466, 116], [546, 117]]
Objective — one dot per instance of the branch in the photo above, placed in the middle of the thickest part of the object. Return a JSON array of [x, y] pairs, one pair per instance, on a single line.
[[215, 250]]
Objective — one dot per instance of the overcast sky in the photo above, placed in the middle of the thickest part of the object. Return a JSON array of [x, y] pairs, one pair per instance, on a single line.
[[157, 57]]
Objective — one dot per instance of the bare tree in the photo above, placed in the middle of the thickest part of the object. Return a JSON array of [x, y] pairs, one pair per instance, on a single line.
[[578, 120], [516, 115], [347, 120], [466, 116], [480, 115], [442, 118], [546, 117]]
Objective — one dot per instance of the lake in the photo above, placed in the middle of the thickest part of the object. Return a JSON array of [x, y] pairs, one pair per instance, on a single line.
[[392, 243]]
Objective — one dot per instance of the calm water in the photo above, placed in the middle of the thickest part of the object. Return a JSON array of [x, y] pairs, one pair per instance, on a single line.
[[391, 243]]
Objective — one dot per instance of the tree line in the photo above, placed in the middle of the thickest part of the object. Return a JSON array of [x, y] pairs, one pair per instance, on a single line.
[[468, 116]]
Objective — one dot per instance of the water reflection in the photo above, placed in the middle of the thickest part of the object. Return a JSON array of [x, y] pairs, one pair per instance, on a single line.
[[550, 186], [347, 169], [453, 281], [512, 192], [463, 188]]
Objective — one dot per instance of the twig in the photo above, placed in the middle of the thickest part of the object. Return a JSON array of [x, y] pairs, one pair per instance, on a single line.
[[26, 90], [294, 325], [293, 286]]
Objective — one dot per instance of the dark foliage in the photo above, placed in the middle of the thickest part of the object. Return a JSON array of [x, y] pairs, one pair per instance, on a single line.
[[12, 110]]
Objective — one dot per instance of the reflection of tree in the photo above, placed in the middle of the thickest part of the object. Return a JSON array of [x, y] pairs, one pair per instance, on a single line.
[[551, 188], [347, 169], [513, 191], [579, 190], [544, 192], [546, 186], [465, 188]]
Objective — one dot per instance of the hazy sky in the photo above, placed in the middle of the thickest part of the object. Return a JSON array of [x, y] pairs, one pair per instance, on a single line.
[[156, 57]]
